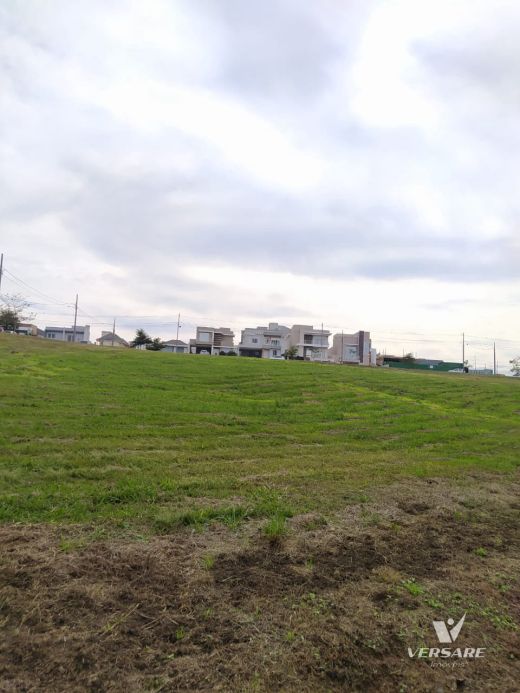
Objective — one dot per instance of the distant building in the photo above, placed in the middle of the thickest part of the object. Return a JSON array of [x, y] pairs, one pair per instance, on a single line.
[[353, 348], [213, 341], [480, 371], [176, 346], [420, 364], [111, 339], [264, 342], [311, 344], [29, 330], [66, 334]]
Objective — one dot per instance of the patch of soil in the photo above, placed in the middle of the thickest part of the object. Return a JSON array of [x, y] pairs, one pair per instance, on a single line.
[[334, 607]]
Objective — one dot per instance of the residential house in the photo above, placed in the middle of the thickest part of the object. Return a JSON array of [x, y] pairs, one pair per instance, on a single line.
[[176, 346], [29, 330], [66, 334], [213, 341], [264, 342], [311, 344], [111, 339], [353, 348]]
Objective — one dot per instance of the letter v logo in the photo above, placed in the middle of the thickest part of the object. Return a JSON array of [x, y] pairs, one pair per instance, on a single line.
[[448, 636]]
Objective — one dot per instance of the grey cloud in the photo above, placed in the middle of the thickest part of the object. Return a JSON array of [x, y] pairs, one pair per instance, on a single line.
[[127, 216], [125, 197]]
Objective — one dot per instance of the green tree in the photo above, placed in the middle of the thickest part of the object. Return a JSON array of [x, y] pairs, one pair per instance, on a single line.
[[155, 344], [13, 311], [141, 339], [515, 366], [291, 353]]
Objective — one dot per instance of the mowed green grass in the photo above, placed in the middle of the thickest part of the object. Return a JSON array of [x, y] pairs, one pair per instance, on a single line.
[[156, 440]]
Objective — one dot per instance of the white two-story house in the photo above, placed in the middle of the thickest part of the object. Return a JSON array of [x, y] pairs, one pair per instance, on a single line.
[[353, 348], [213, 341], [264, 342], [311, 344]]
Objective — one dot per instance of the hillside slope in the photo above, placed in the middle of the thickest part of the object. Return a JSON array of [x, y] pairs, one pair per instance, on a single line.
[[96, 434], [187, 523]]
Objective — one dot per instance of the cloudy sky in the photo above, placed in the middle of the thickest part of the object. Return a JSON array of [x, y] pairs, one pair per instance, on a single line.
[[349, 162]]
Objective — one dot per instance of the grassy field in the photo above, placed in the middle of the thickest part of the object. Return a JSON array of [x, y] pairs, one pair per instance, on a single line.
[[156, 439], [319, 517]]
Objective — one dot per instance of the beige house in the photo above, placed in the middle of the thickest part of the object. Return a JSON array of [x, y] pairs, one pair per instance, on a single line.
[[311, 344], [176, 346], [353, 348], [111, 339], [264, 342], [213, 341], [29, 330]]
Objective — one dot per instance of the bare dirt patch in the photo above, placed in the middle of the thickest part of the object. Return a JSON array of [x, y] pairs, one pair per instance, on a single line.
[[329, 607]]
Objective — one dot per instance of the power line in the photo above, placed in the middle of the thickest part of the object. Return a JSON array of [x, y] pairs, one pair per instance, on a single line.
[[16, 279], [173, 320]]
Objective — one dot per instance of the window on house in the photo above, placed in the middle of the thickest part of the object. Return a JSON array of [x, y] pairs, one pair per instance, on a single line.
[[275, 352], [254, 340], [307, 338]]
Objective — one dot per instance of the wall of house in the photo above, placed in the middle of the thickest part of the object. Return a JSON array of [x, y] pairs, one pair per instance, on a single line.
[[267, 342], [352, 348], [28, 330], [316, 346], [65, 334]]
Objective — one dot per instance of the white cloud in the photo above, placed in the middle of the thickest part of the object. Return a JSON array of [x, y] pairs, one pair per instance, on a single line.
[[353, 162]]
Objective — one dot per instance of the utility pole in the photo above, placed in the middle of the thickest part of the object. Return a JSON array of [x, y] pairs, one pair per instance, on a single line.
[[494, 359], [178, 326], [341, 347], [75, 319], [113, 331], [463, 353], [1, 268]]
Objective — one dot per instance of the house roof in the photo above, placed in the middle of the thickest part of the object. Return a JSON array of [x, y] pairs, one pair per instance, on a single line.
[[175, 342], [108, 337], [220, 330], [79, 328]]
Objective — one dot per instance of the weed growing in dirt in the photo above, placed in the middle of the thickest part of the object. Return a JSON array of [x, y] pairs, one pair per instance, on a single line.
[[276, 527], [208, 562], [413, 587], [180, 634], [290, 636]]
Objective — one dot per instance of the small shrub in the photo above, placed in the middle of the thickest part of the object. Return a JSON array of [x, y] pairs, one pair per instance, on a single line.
[[413, 587]]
